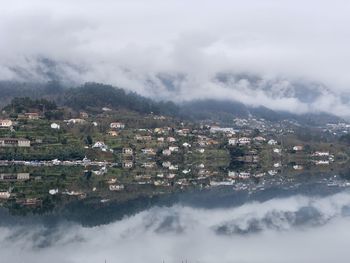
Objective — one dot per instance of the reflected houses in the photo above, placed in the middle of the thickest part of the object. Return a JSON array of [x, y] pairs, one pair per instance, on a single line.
[[145, 179]]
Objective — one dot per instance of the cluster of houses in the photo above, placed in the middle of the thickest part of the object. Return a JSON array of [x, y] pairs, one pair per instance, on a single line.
[[14, 142]]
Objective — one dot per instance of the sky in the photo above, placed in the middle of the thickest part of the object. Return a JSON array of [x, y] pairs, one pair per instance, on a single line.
[[293, 229], [135, 44]]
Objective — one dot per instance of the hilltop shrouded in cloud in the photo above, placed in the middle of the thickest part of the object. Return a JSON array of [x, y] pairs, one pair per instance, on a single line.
[[177, 49]]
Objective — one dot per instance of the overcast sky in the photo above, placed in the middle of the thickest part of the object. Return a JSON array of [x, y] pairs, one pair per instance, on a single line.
[[129, 42]]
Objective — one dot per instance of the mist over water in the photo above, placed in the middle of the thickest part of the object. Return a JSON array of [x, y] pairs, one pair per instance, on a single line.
[[298, 228]]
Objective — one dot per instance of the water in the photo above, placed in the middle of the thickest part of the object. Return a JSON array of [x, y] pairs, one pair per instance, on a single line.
[[288, 218]]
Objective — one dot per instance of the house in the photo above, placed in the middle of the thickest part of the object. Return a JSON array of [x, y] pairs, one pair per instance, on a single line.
[[106, 109], [201, 150], [159, 117], [321, 162], [244, 140], [232, 174], [170, 139], [83, 115], [272, 142], [321, 154], [173, 167], [166, 164], [183, 132], [297, 167], [6, 123], [145, 138], [32, 115], [186, 145], [233, 141], [298, 148], [5, 195], [148, 151], [149, 165], [112, 133], [117, 125], [174, 148], [100, 145], [160, 139], [166, 152], [14, 177], [127, 164], [159, 130], [55, 126], [216, 129], [115, 187], [212, 142], [75, 121], [14, 142], [276, 150], [259, 139], [127, 151]]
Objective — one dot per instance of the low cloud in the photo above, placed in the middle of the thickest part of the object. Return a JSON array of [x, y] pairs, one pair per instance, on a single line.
[[130, 43]]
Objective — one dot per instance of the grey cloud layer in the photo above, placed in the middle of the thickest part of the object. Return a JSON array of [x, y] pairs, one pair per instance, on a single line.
[[294, 229], [129, 43]]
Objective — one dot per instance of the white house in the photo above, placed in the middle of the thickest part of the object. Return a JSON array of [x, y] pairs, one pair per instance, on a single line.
[[100, 145], [232, 141], [201, 150], [76, 121], [166, 152], [5, 123], [174, 148], [55, 126], [298, 148], [244, 140], [276, 150], [173, 167], [166, 164], [170, 139], [114, 187], [272, 142], [297, 167], [127, 164], [127, 151], [5, 195], [259, 139], [117, 125], [321, 154]]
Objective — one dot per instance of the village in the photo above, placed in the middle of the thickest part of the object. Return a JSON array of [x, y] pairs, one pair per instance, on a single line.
[[127, 154]]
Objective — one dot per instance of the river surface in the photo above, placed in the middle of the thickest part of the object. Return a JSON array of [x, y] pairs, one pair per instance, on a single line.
[[300, 222]]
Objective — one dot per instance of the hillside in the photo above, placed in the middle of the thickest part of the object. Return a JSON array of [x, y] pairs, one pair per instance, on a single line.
[[92, 96]]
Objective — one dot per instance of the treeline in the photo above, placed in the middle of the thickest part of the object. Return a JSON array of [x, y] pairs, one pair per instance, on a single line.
[[43, 154], [26, 104], [45, 107], [95, 95], [20, 97]]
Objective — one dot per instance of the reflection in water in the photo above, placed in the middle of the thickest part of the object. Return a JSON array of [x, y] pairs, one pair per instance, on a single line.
[[272, 218], [285, 229]]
